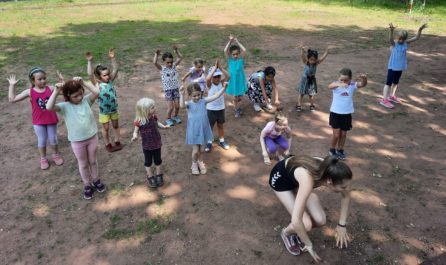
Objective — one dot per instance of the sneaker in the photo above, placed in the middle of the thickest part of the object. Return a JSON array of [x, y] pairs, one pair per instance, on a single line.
[[386, 103], [224, 145], [301, 244], [151, 181], [57, 159], [118, 146], [257, 107], [99, 186], [88, 192], [44, 164], [268, 106], [298, 108], [341, 155], [312, 107], [109, 148], [237, 113], [280, 157], [202, 167], [177, 119], [170, 122], [195, 170], [159, 180], [291, 243], [208, 147], [394, 99], [332, 152]]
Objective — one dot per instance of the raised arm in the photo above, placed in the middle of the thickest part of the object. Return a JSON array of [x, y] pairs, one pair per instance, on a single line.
[[210, 74], [89, 57], [226, 73], [302, 55], [342, 237], [320, 60], [179, 55], [13, 98], [114, 73], [226, 49], [183, 103], [391, 29], [51, 104], [218, 94], [417, 37], [89, 86], [243, 53], [186, 76], [155, 59], [362, 81]]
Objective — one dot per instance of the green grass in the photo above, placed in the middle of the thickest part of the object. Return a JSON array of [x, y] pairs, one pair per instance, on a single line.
[[55, 34], [144, 227]]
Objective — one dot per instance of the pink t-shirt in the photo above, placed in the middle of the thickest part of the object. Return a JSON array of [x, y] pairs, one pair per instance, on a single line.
[[271, 132], [40, 115]]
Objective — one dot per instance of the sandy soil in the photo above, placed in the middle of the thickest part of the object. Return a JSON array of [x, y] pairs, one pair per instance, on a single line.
[[230, 215]]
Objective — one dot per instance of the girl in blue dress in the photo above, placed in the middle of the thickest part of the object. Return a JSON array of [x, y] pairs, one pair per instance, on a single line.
[[198, 130], [397, 64], [235, 53]]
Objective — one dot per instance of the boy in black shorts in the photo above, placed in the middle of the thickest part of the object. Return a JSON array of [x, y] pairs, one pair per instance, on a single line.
[[342, 108]]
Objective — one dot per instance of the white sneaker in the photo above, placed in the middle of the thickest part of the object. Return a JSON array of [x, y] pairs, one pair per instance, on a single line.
[[257, 107]]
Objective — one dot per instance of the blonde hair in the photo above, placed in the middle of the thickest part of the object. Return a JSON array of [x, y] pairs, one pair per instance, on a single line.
[[402, 34], [280, 116], [143, 108]]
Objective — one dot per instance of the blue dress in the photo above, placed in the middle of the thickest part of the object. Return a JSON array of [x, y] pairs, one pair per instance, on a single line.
[[198, 129], [237, 83], [308, 85]]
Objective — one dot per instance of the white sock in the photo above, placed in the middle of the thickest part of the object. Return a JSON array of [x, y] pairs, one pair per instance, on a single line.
[[209, 142], [222, 139], [386, 92]]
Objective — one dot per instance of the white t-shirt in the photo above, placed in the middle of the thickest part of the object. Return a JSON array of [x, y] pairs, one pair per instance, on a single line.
[[169, 77], [342, 102], [219, 103]]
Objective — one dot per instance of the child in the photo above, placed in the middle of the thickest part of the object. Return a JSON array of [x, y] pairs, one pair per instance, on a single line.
[[82, 129], [44, 121], [341, 109], [198, 129], [216, 109], [261, 85], [276, 133], [196, 74], [171, 86], [236, 67], [108, 104], [146, 123], [308, 85], [397, 64]]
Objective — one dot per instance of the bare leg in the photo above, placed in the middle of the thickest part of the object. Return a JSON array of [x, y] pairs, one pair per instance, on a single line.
[[386, 91], [335, 138], [393, 89], [117, 131], [299, 100], [54, 148], [170, 105], [342, 139], [149, 172], [195, 152], [176, 106], [220, 129], [311, 100], [42, 151], [288, 198], [158, 170], [105, 135]]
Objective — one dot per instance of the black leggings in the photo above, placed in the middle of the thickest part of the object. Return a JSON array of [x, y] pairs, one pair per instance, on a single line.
[[152, 155]]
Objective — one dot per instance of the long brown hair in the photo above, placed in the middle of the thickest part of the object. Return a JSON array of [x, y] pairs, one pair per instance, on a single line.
[[70, 87], [328, 169]]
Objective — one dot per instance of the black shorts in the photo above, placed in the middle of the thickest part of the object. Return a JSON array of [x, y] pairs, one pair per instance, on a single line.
[[341, 121], [393, 77], [216, 116], [152, 155]]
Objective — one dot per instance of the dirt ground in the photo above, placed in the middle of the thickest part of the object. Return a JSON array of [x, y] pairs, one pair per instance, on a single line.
[[230, 215]]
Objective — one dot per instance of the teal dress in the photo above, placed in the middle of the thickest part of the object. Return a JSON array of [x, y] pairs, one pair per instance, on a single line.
[[237, 83]]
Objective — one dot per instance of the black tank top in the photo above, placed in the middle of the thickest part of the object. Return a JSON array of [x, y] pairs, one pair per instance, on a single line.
[[281, 179]]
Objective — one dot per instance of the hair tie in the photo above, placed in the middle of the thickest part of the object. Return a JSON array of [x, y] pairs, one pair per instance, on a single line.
[[35, 70]]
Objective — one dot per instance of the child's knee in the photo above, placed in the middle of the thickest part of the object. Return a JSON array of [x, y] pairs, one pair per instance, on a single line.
[[272, 149]]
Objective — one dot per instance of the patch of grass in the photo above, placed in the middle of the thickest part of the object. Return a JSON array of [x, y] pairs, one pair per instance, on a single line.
[[146, 227]]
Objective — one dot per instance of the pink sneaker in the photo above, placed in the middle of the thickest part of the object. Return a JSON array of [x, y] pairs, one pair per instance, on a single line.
[[58, 160], [386, 103], [394, 99], [44, 163]]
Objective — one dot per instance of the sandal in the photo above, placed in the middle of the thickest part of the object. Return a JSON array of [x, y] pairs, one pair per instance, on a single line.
[[159, 180], [298, 108], [312, 107], [151, 181]]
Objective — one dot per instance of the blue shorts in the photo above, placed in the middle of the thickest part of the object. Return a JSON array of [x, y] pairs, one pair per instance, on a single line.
[[393, 77], [171, 94]]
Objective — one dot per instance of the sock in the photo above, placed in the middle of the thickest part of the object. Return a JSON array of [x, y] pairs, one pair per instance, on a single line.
[[222, 139], [209, 142]]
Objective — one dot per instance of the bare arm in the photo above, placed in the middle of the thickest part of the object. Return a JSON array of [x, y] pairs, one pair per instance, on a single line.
[[276, 92], [114, 73], [302, 55], [155, 60], [218, 94], [391, 29], [209, 77], [179, 55], [363, 81], [335, 84], [262, 143], [89, 86], [226, 49], [183, 103], [417, 37], [342, 237], [90, 73], [227, 75], [243, 53], [162, 126], [13, 98], [324, 55], [135, 134], [186, 76], [51, 104]]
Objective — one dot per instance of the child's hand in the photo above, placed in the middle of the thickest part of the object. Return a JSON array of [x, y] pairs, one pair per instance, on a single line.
[[266, 159], [78, 79], [60, 76], [89, 56], [231, 38], [330, 48], [391, 27], [134, 138], [12, 80], [423, 26], [158, 52], [59, 88], [175, 48], [277, 102], [182, 88], [111, 53], [225, 84], [363, 76], [217, 63]]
